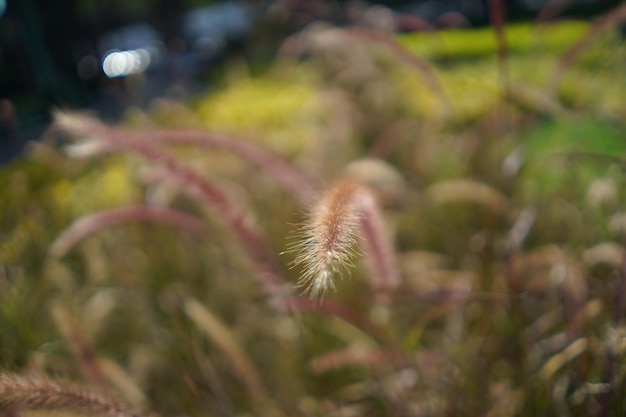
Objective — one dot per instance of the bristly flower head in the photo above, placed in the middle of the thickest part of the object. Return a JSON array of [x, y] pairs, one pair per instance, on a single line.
[[329, 238]]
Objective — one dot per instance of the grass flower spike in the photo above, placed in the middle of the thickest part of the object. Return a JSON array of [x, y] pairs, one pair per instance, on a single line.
[[39, 393], [347, 212], [329, 239]]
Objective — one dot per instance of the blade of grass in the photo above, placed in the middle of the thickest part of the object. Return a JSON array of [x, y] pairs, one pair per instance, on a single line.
[[226, 342]]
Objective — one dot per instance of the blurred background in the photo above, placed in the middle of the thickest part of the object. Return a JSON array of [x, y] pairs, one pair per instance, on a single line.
[[497, 157], [108, 55]]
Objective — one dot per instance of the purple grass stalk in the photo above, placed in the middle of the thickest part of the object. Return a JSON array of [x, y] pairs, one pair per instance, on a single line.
[[238, 222], [29, 393], [378, 249], [609, 20], [552, 9], [497, 17], [93, 223], [250, 238], [285, 174], [348, 211]]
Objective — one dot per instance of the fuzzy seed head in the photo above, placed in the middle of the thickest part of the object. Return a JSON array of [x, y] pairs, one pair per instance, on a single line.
[[329, 239]]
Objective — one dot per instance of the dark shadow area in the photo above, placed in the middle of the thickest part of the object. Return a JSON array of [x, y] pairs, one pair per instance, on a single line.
[[109, 56]]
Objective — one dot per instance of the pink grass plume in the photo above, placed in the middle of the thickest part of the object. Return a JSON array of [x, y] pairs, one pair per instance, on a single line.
[[347, 213]]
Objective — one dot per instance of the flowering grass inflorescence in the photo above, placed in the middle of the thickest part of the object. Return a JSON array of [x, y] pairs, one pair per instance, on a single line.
[[347, 212], [329, 237]]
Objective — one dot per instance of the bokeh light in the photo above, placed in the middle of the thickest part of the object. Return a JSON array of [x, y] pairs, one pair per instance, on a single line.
[[124, 63]]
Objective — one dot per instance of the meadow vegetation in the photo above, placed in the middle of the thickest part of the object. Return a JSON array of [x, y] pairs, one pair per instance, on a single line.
[[464, 212]]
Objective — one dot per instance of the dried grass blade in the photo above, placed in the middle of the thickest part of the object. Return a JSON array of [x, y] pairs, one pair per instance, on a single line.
[[226, 342], [568, 354]]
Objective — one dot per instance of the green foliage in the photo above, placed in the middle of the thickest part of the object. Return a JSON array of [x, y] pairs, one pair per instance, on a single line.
[[579, 151], [285, 108], [456, 46]]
